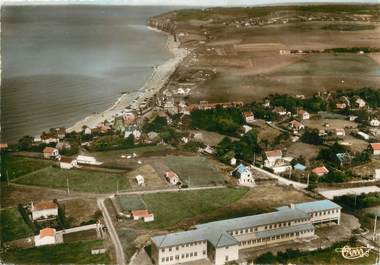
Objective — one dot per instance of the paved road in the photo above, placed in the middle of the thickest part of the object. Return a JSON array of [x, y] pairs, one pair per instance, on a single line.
[[330, 194], [281, 179], [120, 258]]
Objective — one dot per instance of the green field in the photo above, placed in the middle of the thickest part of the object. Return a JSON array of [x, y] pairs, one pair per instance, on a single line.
[[75, 253], [108, 156], [130, 203], [13, 225], [79, 180], [170, 208], [194, 170], [17, 166]]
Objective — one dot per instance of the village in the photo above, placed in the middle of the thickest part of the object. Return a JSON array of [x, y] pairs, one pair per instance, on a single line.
[[181, 177]]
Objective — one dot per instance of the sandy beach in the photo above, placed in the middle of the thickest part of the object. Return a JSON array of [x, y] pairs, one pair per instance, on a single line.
[[153, 85]]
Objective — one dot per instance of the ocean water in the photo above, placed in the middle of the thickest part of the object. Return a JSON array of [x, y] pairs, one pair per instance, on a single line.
[[62, 63]]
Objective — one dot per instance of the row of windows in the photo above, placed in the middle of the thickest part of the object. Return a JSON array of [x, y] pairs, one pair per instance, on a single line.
[[267, 227], [184, 245], [183, 256], [259, 240], [325, 212]]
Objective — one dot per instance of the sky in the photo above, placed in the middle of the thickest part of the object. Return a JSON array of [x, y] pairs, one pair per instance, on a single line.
[[184, 2]]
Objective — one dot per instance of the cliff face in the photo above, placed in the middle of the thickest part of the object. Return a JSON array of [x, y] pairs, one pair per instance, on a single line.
[[164, 22]]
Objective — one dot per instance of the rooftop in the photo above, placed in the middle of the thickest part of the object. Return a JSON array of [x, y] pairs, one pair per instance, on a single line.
[[47, 232], [44, 205], [313, 206]]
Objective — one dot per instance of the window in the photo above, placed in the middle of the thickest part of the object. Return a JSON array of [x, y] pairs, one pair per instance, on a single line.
[[187, 255], [191, 254], [226, 247], [171, 257], [182, 256], [163, 260], [167, 258], [176, 248], [162, 250], [226, 258], [170, 249], [195, 253], [204, 252], [177, 257]]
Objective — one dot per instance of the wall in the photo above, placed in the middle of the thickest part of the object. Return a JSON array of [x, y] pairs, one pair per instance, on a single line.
[[183, 253], [232, 252]]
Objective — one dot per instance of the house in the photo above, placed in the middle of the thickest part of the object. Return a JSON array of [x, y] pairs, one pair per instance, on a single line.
[[208, 150], [45, 237], [233, 161], [303, 114], [296, 125], [172, 177], [339, 132], [44, 210], [152, 136], [341, 105], [374, 122], [3, 146], [344, 158], [375, 147], [271, 157], [103, 128], [48, 138], [220, 241], [87, 130], [246, 128], [280, 111], [142, 214], [299, 167], [140, 180], [249, 117], [51, 152], [63, 145], [360, 103], [61, 132], [129, 118], [67, 163], [320, 171], [88, 160], [134, 130], [322, 132], [363, 135], [244, 175]]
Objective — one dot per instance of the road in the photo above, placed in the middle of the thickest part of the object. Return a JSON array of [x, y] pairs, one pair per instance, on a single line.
[[281, 179], [120, 258]]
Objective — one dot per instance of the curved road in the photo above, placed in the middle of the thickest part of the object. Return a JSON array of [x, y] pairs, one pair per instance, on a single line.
[[120, 258]]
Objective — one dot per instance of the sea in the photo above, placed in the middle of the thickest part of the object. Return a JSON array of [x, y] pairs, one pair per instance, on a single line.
[[63, 63]]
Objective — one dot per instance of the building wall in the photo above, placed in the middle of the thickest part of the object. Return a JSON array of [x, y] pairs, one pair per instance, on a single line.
[[325, 216], [65, 165], [44, 213], [182, 253], [47, 240], [226, 254]]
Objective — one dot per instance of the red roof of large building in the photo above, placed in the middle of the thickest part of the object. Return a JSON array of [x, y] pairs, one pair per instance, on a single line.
[[141, 213], [49, 150], [44, 206], [375, 146], [47, 232]]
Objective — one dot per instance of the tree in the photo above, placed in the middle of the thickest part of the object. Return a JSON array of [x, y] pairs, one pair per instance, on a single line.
[[311, 136]]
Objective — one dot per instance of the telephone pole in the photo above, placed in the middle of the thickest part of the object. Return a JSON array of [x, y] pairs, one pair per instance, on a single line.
[[67, 184], [374, 229], [117, 187]]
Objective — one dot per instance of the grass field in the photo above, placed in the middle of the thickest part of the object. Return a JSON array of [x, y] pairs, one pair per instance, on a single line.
[[194, 170], [79, 180], [13, 225], [170, 208], [130, 203], [75, 253], [17, 166]]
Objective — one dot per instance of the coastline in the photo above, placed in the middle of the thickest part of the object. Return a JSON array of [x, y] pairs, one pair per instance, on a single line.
[[153, 85]]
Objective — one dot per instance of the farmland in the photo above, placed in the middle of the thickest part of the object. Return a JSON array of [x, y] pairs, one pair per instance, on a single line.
[[14, 166], [79, 180]]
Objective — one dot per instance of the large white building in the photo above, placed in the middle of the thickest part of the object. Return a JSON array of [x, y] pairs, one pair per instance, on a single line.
[[221, 241], [44, 210]]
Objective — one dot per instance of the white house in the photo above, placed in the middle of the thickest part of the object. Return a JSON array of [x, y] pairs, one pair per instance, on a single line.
[[249, 117], [246, 128], [296, 125], [363, 135], [233, 161], [67, 163], [140, 180], [50, 152], [303, 114], [88, 160], [244, 175], [142, 214], [44, 210], [271, 157], [136, 133], [360, 102], [375, 147], [340, 132], [46, 237], [172, 177], [374, 122]]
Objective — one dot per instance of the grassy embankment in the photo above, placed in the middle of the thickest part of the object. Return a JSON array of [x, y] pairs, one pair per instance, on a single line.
[[12, 225], [67, 253]]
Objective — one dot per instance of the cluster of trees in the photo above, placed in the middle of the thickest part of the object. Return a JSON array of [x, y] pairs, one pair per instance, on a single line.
[[311, 136], [160, 125], [328, 155], [359, 201], [243, 149], [312, 104], [370, 95], [223, 120], [112, 142]]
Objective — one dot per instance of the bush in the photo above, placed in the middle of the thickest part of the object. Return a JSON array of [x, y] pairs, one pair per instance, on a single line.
[[311, 136]]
